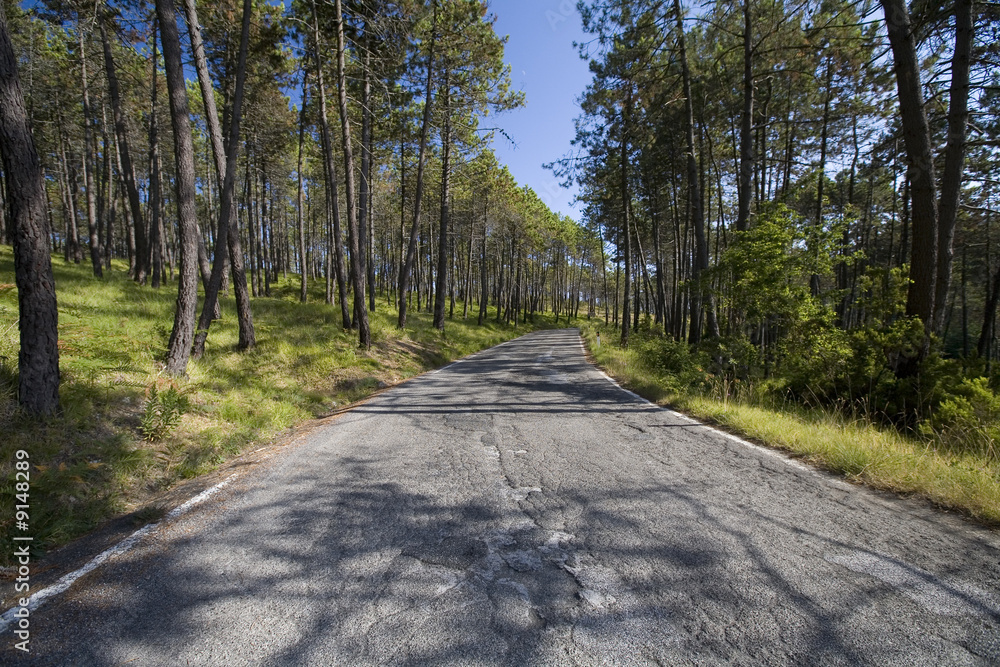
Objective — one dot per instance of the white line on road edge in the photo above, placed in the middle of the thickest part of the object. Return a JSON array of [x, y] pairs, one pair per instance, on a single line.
[[763, 450], [39, 598]]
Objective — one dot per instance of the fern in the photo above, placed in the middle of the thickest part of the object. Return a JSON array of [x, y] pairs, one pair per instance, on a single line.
[[162, 413]]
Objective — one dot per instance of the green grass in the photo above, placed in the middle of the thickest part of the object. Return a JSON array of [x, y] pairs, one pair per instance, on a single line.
[[966, 481], [92, 462]]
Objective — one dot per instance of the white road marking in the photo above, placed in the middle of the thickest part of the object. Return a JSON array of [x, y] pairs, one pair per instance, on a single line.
[[39, 598]]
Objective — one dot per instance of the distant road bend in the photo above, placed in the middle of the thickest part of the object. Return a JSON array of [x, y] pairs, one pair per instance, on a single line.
[[518, 508]]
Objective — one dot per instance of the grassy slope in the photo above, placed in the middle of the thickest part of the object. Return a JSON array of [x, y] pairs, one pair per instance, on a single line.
[[966, 482], [91, 463]]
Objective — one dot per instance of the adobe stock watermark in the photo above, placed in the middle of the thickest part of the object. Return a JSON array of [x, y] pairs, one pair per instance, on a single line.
[[565, 10], [22, 552]]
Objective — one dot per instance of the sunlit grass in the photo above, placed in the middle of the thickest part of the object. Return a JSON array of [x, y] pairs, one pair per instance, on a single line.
[[91, 463], [862, 452]]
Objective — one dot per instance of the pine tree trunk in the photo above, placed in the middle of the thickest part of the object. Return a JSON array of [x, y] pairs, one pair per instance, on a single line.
[[227, 239], [468, 266], [484, 295], [444, 231], [411, 248], [814, 284], [624, 193], [179, 347], [155, 258], [353, 230], [126, 169], [992, 297], [365, 222], [71, 242], [917, 139], [746, 125], [954, 155], [109, 193], [336, 249], [300, 213], [701, 294], [38, 357], [88, 164]]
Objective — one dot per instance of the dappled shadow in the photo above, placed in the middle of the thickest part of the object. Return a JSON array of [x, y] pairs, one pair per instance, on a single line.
[[476, 516], [374, 573]]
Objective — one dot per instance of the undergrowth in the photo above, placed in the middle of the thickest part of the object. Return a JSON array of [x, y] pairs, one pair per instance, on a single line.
[[127, 432]]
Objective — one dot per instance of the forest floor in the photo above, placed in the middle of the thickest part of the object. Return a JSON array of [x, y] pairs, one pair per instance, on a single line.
[[864, 453], [128, 433]]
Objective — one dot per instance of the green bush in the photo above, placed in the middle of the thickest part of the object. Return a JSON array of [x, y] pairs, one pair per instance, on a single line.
[[972, 413]]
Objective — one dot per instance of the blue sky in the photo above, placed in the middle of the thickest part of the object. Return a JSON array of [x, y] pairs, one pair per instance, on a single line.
[[546, 66]]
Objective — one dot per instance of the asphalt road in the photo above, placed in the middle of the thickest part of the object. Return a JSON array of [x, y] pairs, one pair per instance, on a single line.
[[518, 508]]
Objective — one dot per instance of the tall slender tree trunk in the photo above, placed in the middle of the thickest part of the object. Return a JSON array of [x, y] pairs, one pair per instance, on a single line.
[[411, 248], [917, 139], [337, 260], [467, 294], [814, 285], [989, 316], [365, 222], [746, 124], [227, 239], [110, 192], [353, 231], [484, 296], [300, 212], [627, 247], [700, 294], [38, 357], [88, 163], [72, 241], [179, 348], [954, 155], [126, 170], [154, 260], [444, 232]]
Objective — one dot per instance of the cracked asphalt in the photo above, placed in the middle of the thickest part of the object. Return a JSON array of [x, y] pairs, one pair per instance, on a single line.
[[518, 508]]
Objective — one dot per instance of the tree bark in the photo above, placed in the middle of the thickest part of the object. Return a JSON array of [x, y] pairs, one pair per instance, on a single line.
[[353, 230], [331, 176], [484, 296], [303, 291], [127, 170], [179, 347], [88, 163], [110, 192], [38, 357], [227, 238], [444, 232], [411, 248], [701, 294], [467, 294], [627, 252], [746, 126], [71, 242], [154, 259], [954, 156], [365, 223], [917, 139], [814, 285]]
